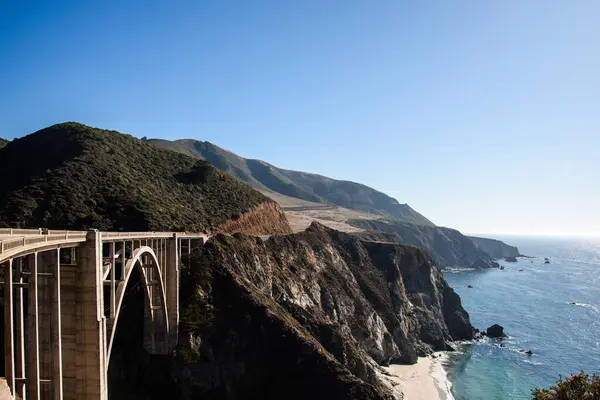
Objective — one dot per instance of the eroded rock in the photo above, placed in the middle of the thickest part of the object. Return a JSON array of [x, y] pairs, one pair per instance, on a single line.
[[313, 312], [496, 331]]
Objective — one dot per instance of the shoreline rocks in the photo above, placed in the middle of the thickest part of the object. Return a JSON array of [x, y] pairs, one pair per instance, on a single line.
[[496, 331]]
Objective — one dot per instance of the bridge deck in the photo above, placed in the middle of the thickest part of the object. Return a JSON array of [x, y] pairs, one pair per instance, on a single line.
[[17, 242]]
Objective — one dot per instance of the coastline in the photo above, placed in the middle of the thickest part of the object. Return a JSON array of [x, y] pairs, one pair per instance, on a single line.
[[425, 380]]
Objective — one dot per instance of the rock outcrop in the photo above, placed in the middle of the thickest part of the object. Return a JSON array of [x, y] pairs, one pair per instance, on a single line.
[[264, 219], [496, 249], [313, 312], [448, 247], [496, 331]]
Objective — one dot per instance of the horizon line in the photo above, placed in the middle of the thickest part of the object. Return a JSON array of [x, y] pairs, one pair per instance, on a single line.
[[534, 234]]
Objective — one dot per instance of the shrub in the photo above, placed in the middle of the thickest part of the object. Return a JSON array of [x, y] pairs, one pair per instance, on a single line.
[[577, 387]]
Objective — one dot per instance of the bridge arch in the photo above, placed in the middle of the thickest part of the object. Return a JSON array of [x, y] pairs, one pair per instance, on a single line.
[[149, 268], [64, 293]]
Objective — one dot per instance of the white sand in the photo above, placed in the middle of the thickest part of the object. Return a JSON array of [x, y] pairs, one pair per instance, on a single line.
[[425, 380]]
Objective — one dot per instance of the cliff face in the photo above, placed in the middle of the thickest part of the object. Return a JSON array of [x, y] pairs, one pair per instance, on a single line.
[[495, 248], [309, 313], [264, 219], [448, 247]]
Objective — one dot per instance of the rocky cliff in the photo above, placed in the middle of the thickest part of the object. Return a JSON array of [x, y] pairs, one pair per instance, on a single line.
[[448, 247], [295, 317], [264, 219], [495, 248], [308, 314]]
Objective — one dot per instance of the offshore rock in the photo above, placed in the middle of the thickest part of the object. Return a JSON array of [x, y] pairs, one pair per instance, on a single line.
[[496, 331]]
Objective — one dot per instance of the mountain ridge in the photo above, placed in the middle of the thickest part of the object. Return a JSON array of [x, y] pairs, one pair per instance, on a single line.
[[284, 186], [73, 176], [448, 247], [495, 248], [297, 184]]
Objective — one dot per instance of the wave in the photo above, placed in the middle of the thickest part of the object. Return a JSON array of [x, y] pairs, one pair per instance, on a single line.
[[529, 361], [458, 269], [585, 305]]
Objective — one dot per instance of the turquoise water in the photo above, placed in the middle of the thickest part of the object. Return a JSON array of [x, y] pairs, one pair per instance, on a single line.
[[533, 306]]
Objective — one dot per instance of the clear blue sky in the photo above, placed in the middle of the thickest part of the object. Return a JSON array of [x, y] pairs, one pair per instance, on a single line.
[[482, 115]]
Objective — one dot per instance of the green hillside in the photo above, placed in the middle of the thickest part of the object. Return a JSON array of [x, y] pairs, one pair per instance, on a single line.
[[3, 142], [72, 176], [301, 185]]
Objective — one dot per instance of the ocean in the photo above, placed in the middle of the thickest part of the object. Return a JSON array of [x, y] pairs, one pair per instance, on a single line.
[[533, 306]]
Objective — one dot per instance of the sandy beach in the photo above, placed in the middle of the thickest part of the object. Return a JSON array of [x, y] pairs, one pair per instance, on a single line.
[[425, 380]]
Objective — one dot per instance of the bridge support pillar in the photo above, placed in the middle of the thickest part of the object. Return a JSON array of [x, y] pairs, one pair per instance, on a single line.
[[171, 277], [91, 337], [33, 332], [9, 328]]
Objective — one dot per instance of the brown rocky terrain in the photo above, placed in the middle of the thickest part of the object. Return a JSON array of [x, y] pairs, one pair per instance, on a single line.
[[264, 219], [313, 312]]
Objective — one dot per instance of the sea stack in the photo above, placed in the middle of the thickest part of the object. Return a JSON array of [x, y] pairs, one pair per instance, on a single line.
[[496, 331]]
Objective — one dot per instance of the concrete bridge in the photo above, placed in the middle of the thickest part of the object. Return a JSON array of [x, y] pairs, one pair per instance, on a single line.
[[63, 292]]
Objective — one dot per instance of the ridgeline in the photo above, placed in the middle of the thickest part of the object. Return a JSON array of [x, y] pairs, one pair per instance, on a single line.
[[301, 185], [71, 176]]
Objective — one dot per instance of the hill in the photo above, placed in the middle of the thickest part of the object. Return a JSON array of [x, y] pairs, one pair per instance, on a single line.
[[3, 142], [300, 185], [495, 248], [448, 247], [72, 176]]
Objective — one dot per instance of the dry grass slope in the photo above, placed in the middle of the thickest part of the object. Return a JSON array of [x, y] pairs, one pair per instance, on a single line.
[[288, 184]]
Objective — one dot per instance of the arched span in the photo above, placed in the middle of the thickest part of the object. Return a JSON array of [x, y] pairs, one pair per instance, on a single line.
[[136, 259]]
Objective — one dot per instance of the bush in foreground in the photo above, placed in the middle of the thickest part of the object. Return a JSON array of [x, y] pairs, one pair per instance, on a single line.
[[577, 387]]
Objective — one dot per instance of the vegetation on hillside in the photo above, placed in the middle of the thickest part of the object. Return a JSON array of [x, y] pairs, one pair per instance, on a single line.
[[71, 176], [301, 185], [3, 142], [577, 387]]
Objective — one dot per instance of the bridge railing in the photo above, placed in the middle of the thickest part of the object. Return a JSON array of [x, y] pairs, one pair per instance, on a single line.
[[136, 235], [151, 235], [27, 238], [31, 238], [11, 231]]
